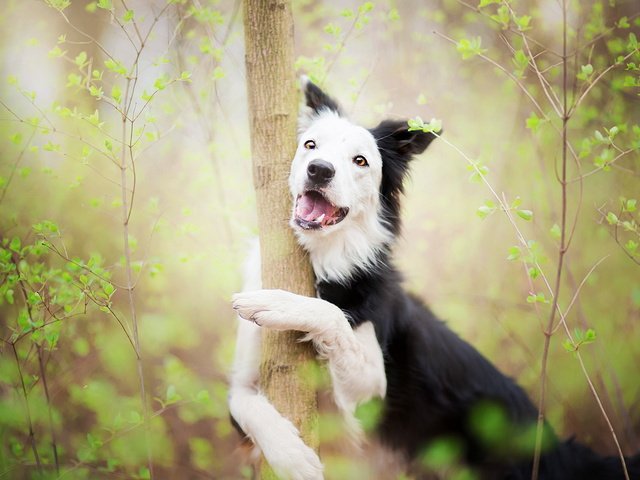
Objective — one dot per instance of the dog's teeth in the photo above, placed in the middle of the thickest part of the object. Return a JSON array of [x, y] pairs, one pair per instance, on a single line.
[[320, 218]]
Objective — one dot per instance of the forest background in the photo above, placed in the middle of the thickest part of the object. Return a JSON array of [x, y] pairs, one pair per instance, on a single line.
[[127, 207]]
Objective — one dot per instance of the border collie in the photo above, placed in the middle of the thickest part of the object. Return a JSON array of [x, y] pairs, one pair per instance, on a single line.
[[378, 340]]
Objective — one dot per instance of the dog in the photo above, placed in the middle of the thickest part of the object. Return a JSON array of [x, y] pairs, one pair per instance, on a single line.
[[378, 341]]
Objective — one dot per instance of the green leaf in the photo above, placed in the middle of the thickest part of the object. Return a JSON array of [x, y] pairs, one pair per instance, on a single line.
[[600, 138], [104, 4], [109, 288], [630, 205], [555, 231], [470, 47], [115, 66], [417, 124], [603, 159], [333, 29], [612, 218], [502, 17], [484, 211], [534, 122], [514, 253], [134, 417], [525, 214], [15, 244], [81, 59], [172, 396], [96, 91], [521, 61], [589, 336], [537, 298], [56, 52], [93, 441], [128, 16], [218, 73], [202, 396], [585, 72], [161, 82], [623, 23], [523, 22], [116, 93], [58, 4], [366, 7], [144, 473], [74, 80]]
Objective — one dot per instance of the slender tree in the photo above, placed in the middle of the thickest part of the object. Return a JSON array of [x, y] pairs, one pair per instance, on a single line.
[[272, 93]]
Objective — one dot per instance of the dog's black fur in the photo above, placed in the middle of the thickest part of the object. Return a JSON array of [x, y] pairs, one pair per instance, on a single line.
[[437, 384]]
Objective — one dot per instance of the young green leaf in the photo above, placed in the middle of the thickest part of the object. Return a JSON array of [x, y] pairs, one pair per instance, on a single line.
[[612, 218], [525, 214], [470, 47]]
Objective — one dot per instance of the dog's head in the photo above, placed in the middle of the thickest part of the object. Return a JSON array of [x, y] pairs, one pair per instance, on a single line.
[[346, 181]]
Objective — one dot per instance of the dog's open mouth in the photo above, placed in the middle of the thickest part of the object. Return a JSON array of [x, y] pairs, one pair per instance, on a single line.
[[313, 211]]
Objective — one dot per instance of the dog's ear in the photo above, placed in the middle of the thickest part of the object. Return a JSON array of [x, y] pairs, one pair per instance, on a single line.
[[394, 135], [316, 99], [397, 146]]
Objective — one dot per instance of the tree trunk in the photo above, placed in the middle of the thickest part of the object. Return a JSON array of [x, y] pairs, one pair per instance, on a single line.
[[273, 107]]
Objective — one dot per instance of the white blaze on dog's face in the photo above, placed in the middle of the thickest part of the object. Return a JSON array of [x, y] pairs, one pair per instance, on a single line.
[[335, 175], [335, 183], [346, 183]]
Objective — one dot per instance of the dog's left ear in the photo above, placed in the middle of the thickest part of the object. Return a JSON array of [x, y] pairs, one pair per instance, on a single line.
[[397, 146], [394, 136]]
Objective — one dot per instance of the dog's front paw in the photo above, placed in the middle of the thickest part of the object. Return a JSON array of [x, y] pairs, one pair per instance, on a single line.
[[289, 457], [274, 309], [293, 460]]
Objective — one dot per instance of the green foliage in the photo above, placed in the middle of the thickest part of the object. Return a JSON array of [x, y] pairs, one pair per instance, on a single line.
[[417, 124], [580, 338], [470, 47]]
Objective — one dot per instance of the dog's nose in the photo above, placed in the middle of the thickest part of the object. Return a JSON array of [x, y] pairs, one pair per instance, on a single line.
[[320, 171]]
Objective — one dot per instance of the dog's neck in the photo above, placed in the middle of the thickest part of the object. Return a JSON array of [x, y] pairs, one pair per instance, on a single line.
[[336, 256]]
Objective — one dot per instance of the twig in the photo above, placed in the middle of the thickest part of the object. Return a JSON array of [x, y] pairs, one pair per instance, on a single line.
[[506, 72], [597, 79], [15, 165], [128, 269], [45, 386], [561, 253], [32, 437]]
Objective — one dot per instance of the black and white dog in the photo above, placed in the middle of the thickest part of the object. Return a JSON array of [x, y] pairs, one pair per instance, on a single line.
[[378, 340]]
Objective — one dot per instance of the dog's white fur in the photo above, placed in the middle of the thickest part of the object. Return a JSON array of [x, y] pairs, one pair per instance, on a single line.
[[355, 364], [354, 356], [336, 251]]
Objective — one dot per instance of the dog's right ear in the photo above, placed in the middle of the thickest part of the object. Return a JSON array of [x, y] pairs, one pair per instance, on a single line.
[[316, 99]]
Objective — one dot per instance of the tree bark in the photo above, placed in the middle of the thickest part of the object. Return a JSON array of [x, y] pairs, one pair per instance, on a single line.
[[273, 107]]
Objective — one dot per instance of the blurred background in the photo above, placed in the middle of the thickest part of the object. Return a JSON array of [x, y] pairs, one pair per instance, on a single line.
[[69, 374]]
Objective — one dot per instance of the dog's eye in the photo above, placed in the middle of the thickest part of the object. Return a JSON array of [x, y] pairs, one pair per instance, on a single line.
[[310, 145], [360, 161]]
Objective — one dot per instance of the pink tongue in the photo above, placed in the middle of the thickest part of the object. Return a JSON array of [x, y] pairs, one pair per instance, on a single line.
[[311, 206]]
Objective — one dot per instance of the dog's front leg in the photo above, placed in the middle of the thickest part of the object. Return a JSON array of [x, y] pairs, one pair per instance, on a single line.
[[274, 435], [355, 359]]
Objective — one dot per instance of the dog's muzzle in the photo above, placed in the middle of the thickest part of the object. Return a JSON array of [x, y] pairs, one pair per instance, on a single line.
[[314, 211]]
